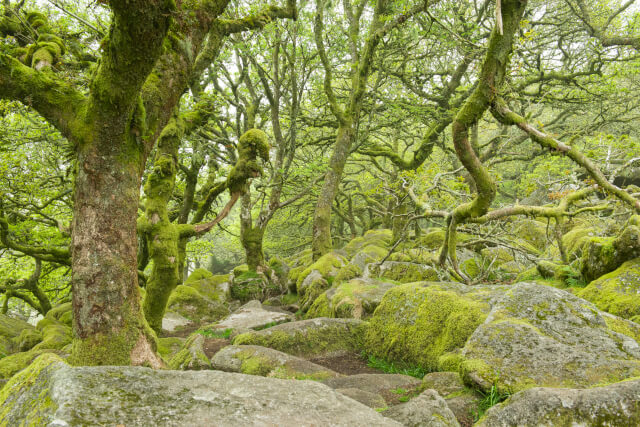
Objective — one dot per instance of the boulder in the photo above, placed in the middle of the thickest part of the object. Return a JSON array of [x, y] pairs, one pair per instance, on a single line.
[[10, 330], [192, 356], [403, 272], [318, 277], [255, 285], [613, 405], [381, 238], [191, 304], [374, 383], [252, 316], [357, 298], [417, 323], [602, 255], [267, 362], [532, 232], [172, 322], [372, 400], [169, 346], [50, 392], [310, 338], [426, 410], [462, 401], [215, 288], [617, 292], [537, 335]]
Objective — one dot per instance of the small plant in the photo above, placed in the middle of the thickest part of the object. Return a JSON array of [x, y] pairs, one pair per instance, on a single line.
[[395, 368], [572, 277], [216, 333], [266, 326], [492, 398]]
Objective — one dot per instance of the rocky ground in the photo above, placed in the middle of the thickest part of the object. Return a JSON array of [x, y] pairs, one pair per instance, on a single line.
[[331, 343]]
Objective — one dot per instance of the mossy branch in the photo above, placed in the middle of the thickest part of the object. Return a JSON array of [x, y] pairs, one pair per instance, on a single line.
[[60, 256], [503, 114], [58, 102]]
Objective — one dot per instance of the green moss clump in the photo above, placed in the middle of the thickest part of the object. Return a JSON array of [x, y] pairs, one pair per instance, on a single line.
[[253, 143], [20, 383], [188, 302], [617, 292], [28, 339], [325, 337], [169, 346], [416, 324], [327, 265], [533, 232], [191, 357], [348, 272], [624, 327], [197, 275]]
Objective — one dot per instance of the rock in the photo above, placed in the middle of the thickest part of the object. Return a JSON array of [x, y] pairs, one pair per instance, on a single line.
[[215, 288], [549, 269], [191, 304], [309, 338], [315, 279], [444, 383], [426, 410], [55, 336], [267, 362], [52, 393], [10, 330], [575, 240], [403, 272], [496, 256], [253, 285], [381, 238], [14, 363], [61, 313], [252, 315], [357, 298], [602, 255], [173, 321], [372, 400], [418, 323], [613, 405], [617, 292], [542, 336], [28, 339], [192, 356], [462, 401], [532, 232], [374, 383]]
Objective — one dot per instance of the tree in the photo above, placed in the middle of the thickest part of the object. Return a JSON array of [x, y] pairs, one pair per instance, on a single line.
[[147, 62]]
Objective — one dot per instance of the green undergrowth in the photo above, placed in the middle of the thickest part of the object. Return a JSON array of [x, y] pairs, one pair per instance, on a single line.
[[394, 367], [489, 399], [267, 326]]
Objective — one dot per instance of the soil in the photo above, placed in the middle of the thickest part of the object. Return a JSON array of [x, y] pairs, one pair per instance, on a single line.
[[345, 363], [214, 345]]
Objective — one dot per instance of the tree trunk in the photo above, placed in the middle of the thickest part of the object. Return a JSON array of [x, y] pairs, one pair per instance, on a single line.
[[322, 216], [109, 328], [251, 237]]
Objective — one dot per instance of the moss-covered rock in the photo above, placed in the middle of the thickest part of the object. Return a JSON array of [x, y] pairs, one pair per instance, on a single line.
[[308, 338], [602, 255], [17, 404], [191, 304], [55, 336], [541, 336], [62, 313], [318, 277], [348, 272], [617, 292], [613, 405], [381, 238], [532, 232], [253, 285], [267, 362], [10, 330], [575, 240], [14, 363], [403, 272], [27, 339], [252, 315], [496, 256], [216, 288], [417, 323], [192, 356], [357, 298]]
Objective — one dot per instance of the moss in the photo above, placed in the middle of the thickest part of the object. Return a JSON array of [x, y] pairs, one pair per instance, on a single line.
[[27, 339], [210, 287], [496, 256], [574, 241], [417, 325], [249, 286], [252, 144], [321, 307], [327, 265], [450, 362], [532, 232], [321, 340], [479, 369], [432, 240], [197, 275], [14, 363], [403, 272], [191, 356], [169, 346], [348, 272], [188, 302], [624, 327], [54, 336], [25, 380], [617, 292]]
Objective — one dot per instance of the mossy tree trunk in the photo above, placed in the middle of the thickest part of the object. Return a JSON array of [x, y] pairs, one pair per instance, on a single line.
[[348, 114]]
